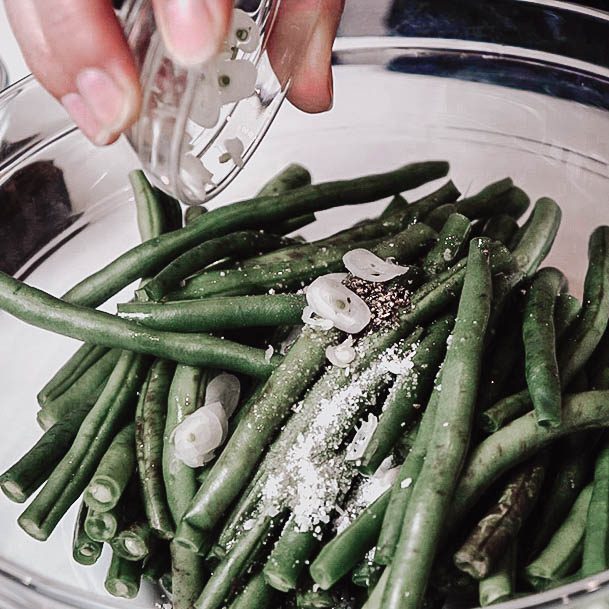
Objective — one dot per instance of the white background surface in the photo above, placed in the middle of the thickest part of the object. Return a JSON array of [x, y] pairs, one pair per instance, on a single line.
[[9, 51]]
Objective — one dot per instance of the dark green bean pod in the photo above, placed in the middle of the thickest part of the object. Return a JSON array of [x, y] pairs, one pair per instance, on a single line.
[[70, 477], [599, 365], [221, 313], [150, 257], [124, 577], [499, 585], [481, 553], [102, 526], [406, 246], [518, 441], [596, 539], [343, 552], [82, 393], [257, 594], [70, 372], [397, 205], [113, 472], [564, 551], [566, 310], [292, 177], [407, 395], [26, 476], [235, 564], [289, 557], [501, 227], [439, 216], [187, 577], [293, 224], [45, 311], [244, 243], [150, 420], [539, 339], [452, 241], [434, 487], [482, 203], [85, 551], [366, 573], [134, 542], [416, 211]]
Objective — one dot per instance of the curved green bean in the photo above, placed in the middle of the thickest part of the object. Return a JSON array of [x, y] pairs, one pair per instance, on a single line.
[[292, 177], [85, 550], [501, 227], [452, 239]]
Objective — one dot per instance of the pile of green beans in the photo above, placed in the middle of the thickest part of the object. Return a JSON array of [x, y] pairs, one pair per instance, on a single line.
[[460, 456]]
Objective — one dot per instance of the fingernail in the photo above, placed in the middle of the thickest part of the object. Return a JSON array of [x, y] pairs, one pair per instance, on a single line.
[[83, 117], [319, 59], [190, 28]]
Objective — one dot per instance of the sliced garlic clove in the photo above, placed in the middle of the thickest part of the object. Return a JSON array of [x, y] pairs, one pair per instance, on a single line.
[[196, 436], [331, 300], [364, 264], [226, 389], [217, 410], [244, 32], [310, 318], [343, 354], [236, 80]]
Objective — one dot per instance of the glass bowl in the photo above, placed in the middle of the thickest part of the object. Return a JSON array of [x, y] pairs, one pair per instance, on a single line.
[[492, 105]]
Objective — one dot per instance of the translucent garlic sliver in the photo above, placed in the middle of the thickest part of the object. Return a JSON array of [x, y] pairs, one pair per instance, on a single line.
[[343, 354], [195, 176], [226, 389], [331, 300], [205, 109], [234, 152], [368, 266], [236, 80], [362, 437], [244, 32], [311, 319], [196, 436], [217, 410]]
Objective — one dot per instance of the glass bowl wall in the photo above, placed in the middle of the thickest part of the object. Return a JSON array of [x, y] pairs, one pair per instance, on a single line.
[[491, 105]]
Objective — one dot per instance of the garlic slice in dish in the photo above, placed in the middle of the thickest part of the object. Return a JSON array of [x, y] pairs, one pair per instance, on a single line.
[[330, 299], [206, 104], [343, 354], [224, 388], [236, 80], [244, 32], [234, 152], [368, 266], [198, 435], [362, 438], [311, 319], [217, 410]]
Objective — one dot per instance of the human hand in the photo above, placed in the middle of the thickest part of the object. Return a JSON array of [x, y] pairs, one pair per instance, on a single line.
[[77, 50]]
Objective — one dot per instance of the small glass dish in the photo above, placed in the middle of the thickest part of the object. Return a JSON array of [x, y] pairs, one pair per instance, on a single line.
[[199, 126]]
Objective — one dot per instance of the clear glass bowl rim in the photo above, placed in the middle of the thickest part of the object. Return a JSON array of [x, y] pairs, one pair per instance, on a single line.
[[26, 589]]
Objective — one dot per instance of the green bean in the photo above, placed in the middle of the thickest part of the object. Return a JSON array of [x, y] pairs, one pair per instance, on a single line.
[[70, 372], [539, 338], [431, 497], [181, 483], [376, 596], [501, 227], [202, 255], [573, 470], [133, 542], [564, 550], [257, 594], [599, 365], [596, 548], [157, 213], [405, 246], [101, 526], [408, 393], [451, 241], [289, 557], [231, 471], [292, 177], [439, 216], [416, 211], [490, 539], [26, 476], [85, 551], [403, 487], [187, 577], [83, 393], [221, 313], [233, 566], [148, 258], [519, 440], [367, 573], [193, 213], [499, 585], [566, 311], [397, 205], [113, 472], [70, 477], [341, 554], [124, 577], [293, 224], [511, 201], [584, 335], [45, 311], [536, 237], [150, 419]]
